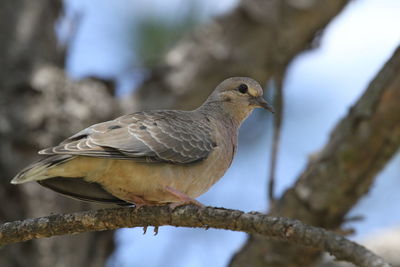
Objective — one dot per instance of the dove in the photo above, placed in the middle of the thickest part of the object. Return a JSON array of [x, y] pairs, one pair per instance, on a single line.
[[151, 157]]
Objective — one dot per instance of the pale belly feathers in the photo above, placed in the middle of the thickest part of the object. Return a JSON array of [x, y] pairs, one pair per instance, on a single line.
[[124, 178]]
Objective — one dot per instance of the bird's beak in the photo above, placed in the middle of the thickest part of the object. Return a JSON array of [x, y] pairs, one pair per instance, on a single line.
[[260, 102]]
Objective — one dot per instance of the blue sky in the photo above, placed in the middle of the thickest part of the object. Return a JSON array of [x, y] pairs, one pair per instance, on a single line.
[[321, 86]]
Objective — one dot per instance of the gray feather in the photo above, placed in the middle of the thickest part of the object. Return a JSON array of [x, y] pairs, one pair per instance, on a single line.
[[80, 189], [157, 136]]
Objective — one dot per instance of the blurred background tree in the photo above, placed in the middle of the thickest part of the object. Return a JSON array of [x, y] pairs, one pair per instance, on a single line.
[[157, 35], [171, 54]]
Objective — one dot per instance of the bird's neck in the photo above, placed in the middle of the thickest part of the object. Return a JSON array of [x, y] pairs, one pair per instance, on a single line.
[[225, 112]]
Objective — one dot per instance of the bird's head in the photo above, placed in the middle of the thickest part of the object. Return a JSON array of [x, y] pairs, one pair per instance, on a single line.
[[239, 96]]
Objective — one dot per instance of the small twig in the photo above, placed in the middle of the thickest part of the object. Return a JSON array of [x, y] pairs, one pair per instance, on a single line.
[[278, 104], [355, 218], [285, 229]]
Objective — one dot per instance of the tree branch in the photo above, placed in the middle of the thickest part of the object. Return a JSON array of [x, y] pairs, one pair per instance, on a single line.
[[257, 39], [278, 118], [338, 176], [189, 216]]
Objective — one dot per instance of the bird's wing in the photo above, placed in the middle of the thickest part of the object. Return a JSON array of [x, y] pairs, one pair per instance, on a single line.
[[80, 189], [158, 136]]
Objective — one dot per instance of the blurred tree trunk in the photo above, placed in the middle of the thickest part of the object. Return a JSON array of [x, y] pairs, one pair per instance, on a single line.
[[39, 106], [258, 39]]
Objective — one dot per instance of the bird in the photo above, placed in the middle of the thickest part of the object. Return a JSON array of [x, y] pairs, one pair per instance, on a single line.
[[153, 157]]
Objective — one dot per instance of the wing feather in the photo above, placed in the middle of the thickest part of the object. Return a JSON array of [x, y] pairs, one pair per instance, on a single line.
[[158, 136]]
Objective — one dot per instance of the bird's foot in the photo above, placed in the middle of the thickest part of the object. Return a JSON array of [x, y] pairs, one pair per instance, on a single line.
[[138, 201], [155, 231], [141, 202], [184, 199], [174, 205]]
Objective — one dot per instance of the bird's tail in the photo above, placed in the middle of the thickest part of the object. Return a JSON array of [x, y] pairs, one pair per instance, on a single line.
[[37, 170]]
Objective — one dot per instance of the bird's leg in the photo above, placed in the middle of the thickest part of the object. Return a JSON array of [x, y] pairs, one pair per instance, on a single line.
[[138, 201], [184, 199]]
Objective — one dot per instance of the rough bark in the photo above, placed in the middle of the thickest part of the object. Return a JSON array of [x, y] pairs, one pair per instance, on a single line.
[[38, 107], [190, 216], [385, 243], [257, 39], [335, 179]]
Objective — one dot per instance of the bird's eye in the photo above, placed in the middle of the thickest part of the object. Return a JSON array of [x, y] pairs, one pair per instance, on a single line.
[[243, 88]]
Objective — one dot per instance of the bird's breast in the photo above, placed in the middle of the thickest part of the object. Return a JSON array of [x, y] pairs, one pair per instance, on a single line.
[[148, 180]]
